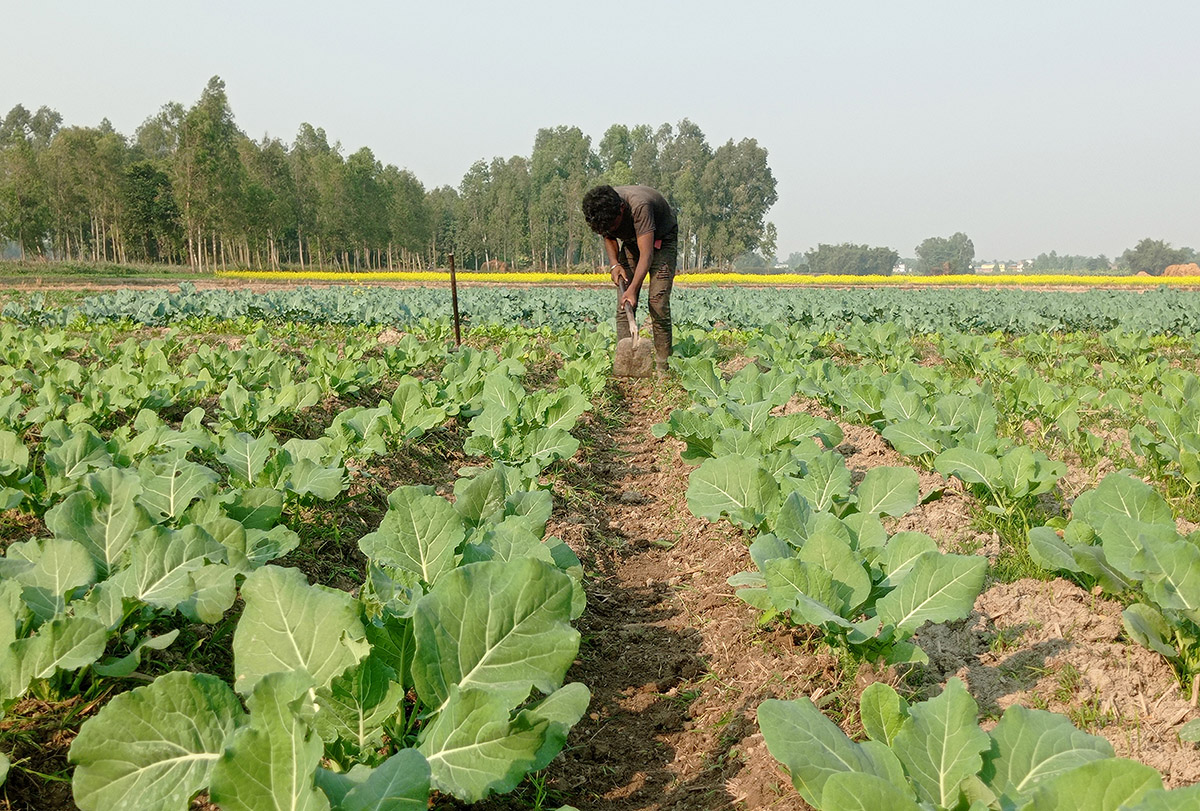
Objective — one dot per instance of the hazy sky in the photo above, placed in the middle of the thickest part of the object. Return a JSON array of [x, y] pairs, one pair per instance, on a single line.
[[1071, 125]]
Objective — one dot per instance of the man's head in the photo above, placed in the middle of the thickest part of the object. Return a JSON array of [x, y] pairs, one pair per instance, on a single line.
[[603, 208]]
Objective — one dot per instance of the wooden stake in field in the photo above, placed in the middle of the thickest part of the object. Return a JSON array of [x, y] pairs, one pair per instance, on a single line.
[[454, 303]]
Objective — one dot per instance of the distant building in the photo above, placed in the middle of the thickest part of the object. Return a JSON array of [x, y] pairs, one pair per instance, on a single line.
[[901, 269], [1004, 267]]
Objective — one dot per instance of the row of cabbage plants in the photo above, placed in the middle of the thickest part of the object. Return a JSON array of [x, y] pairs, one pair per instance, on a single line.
[[163, 486]]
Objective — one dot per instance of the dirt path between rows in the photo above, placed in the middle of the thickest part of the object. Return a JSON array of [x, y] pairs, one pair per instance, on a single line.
[[674, 661], [677, 665]]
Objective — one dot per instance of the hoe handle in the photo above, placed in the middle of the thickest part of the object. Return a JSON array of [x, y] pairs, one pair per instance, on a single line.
[[633, 330]]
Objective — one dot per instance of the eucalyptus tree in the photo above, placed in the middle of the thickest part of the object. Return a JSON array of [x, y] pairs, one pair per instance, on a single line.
[[442, 205], [508, 216], [943, 255], [472, 215], [25, 215], [66, 168], [409, 220], [739, 189], [270, 199], [615, 152], [149, 217], [208, 176], [367, 206], [683, 155], [851, 260], [562, 168]]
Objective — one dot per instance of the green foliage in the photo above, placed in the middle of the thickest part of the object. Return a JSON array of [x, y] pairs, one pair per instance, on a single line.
[[933, 756], [942, 255], [172, 514], [851, 260], [1153, 256], [1122, 536], [823, 556]]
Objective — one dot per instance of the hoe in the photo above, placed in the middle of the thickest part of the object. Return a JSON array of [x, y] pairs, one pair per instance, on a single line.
[[634, 357]]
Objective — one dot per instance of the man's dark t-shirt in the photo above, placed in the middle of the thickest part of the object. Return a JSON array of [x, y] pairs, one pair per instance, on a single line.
[[651, 213]]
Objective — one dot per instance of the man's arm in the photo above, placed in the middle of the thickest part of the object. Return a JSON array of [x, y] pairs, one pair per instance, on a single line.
[[645, 255], [611, 247]]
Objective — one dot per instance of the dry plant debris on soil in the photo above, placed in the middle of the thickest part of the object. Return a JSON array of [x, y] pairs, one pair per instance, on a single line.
[[677, 664]]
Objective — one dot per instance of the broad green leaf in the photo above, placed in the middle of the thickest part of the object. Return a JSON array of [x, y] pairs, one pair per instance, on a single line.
[[58, 568], [162, 560], [563, 708], [852, 791], [256, 507], [80, 451], [826, 480], [1172, 579], [914, 438], [356, 704], [1092, 560], [940, 744], [1123, 537], [14, 456], [214, 589], [1031, 746], [400, 783], [127, 664], [481, 499], [169, 486], [850, 578], [1147, 627], [883, 712], [512, 538], [768, 547], [1050, 551], [1180, 799], [793, 519], [548, 444], [103, 516], [973, 467], [419, 534], [64, 643], [937, 588], [1121, 494], [809, 745], [805, 590], [888, 491], [270, 763], [1102, 785], [496, 625], [247, 456], [901, 552], [315, 479], [154, 747], [474, 749], [736, 486], [289, 625]]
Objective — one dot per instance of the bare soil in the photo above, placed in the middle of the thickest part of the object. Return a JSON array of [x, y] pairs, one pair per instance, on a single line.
[[1054, 646], [677, 665]]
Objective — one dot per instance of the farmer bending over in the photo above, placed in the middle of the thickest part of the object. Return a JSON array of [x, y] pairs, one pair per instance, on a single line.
[[639, 231]]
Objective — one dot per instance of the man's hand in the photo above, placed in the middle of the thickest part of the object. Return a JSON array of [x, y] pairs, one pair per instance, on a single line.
[[629, 298], [620, 275]]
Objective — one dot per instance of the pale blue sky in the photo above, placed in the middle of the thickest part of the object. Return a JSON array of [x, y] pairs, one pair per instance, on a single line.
[[1071, 125]]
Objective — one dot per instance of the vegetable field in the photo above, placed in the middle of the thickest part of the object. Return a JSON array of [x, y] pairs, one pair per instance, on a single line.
[[861, 549]]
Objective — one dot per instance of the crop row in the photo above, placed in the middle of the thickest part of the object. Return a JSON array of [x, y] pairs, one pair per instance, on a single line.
[[359, 700], [1012, 311], [824, 559]]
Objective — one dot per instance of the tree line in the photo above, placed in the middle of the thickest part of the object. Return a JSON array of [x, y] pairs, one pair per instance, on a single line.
[[191, 188], [956, 254]]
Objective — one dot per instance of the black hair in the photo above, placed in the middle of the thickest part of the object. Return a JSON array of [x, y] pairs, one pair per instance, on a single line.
[[601, 206]]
